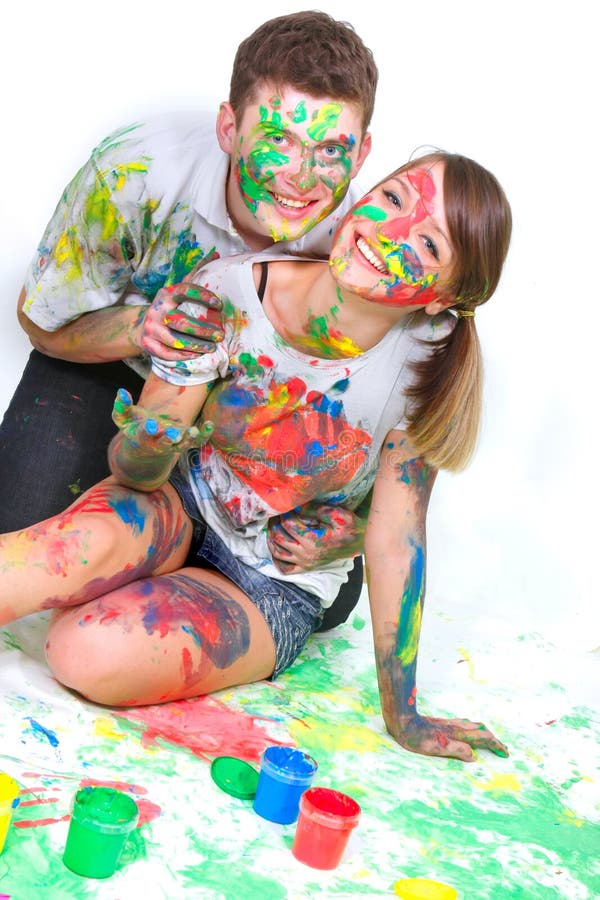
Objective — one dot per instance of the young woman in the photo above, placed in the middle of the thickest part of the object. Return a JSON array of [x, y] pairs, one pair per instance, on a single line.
[[350, 382]]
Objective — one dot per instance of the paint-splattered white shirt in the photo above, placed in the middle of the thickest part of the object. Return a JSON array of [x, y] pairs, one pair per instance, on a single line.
[[289, 427], [147, 207]]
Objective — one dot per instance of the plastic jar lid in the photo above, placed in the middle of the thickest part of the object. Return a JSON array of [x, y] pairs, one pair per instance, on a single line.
[[424, 889], [234, 776]]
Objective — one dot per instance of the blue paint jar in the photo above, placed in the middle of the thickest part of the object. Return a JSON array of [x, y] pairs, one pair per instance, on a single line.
[[285, 773]]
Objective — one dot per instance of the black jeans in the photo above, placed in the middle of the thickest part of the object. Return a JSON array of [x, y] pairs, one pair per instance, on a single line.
[[54, 435], [53, 443]]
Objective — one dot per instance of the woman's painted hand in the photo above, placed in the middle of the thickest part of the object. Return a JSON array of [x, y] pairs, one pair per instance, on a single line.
[[168, 333], [456, 738], [155, 434]]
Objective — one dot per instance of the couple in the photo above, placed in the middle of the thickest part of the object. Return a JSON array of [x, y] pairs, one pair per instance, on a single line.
[[337, 386]]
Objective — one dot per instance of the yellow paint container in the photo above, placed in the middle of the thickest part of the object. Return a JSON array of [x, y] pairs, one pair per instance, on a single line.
[[424, 889], [9, 799]]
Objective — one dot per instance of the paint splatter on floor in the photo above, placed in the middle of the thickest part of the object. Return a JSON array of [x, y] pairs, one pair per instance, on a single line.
[[523, 827]]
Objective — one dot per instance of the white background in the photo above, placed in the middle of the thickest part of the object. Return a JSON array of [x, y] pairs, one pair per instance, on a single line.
[[512, 84]]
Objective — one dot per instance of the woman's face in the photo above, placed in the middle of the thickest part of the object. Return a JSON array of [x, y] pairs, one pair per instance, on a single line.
[[393, 246]]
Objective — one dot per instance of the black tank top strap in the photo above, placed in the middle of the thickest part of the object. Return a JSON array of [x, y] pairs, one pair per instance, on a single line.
[[264, 271]]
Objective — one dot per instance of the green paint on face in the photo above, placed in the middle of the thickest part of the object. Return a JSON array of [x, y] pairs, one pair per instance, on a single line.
[[251, 190], [273, 117], [263, 159], [323, 119], [299, 113], [375, 213]]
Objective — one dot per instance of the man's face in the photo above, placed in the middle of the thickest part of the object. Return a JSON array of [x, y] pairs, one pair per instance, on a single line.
[[292, 159]]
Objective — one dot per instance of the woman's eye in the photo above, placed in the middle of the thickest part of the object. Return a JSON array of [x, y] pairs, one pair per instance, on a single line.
[[277, 138], [431, 246], [393, 198]]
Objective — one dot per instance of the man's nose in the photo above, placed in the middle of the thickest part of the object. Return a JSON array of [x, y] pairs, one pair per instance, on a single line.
[[305, 178]]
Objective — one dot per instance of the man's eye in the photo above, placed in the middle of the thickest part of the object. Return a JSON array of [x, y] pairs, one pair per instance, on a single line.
[[332, 151], [393, 198]]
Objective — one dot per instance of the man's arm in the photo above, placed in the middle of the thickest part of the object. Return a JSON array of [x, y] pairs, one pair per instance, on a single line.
[[395, 557], [100, 336], [120, 332]]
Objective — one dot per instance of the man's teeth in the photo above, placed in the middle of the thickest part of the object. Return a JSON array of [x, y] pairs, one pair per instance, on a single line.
[[370, 256], [287, 201]]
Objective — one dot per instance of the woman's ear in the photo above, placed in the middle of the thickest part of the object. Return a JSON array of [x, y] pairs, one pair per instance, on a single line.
[[225, 128], [435, 307]]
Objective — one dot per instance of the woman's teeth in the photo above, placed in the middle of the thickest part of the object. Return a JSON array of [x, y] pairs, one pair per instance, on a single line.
[[370, 256]]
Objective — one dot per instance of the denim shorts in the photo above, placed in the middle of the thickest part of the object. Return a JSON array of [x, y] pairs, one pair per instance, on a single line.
[[291, 613]]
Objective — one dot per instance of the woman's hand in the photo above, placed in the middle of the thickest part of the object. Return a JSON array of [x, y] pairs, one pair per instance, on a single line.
[[168, 333], [313, 537], [454, 738], [152, 434]]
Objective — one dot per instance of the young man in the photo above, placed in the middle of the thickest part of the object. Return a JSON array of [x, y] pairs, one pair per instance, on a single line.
[[153, 202]]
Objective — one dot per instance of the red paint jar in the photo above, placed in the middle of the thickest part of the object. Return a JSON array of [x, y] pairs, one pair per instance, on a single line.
[[326, 819]]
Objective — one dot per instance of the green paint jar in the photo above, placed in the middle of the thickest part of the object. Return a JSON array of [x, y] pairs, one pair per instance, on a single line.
[[100, 822]]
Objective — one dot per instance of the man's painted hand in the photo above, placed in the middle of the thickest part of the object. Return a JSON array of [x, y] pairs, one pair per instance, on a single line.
[[314, 536], [168, 333]]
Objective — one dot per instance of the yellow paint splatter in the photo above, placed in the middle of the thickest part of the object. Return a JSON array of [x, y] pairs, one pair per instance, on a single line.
[[104, 727], [572, 818], [337, 738], [499, 782], [467, 658]]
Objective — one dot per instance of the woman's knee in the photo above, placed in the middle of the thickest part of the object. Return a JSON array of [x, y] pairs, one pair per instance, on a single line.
[[81, 659]]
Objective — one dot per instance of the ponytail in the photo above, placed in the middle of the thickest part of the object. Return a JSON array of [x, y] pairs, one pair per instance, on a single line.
[[445, 412], [445, 409]]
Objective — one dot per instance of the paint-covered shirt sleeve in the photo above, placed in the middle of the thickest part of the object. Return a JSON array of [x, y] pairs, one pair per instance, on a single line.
[[87, 254]]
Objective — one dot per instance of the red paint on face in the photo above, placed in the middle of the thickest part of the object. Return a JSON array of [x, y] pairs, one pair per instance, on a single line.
[[398, 229]]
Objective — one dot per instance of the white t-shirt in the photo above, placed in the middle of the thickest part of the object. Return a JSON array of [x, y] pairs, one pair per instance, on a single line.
[[147, 207], [290, 427]]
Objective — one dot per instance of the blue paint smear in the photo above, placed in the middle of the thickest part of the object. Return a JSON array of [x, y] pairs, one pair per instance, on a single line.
[[39, 730], [129, 512]]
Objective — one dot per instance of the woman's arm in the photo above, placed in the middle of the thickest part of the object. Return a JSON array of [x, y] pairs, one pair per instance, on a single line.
[[152, 434], [395, 562]]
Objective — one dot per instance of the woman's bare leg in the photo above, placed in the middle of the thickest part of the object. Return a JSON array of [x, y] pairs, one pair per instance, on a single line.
[[110, 536], [163, 638]]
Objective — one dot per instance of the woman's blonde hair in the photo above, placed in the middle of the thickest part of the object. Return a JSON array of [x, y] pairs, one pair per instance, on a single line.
[[445, 407]]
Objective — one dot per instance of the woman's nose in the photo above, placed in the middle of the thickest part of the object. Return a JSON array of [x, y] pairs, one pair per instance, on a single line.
[[398, 229]]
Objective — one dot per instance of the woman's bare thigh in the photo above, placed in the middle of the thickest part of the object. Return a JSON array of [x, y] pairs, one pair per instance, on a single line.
[[161, 638]]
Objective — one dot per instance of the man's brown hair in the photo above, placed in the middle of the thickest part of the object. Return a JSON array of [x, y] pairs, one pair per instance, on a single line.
[[311, 52]]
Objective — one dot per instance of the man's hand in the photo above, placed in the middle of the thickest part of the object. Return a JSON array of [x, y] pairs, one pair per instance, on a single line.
[[454, 738], [155, 435], [313, 537], [167, 333]]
